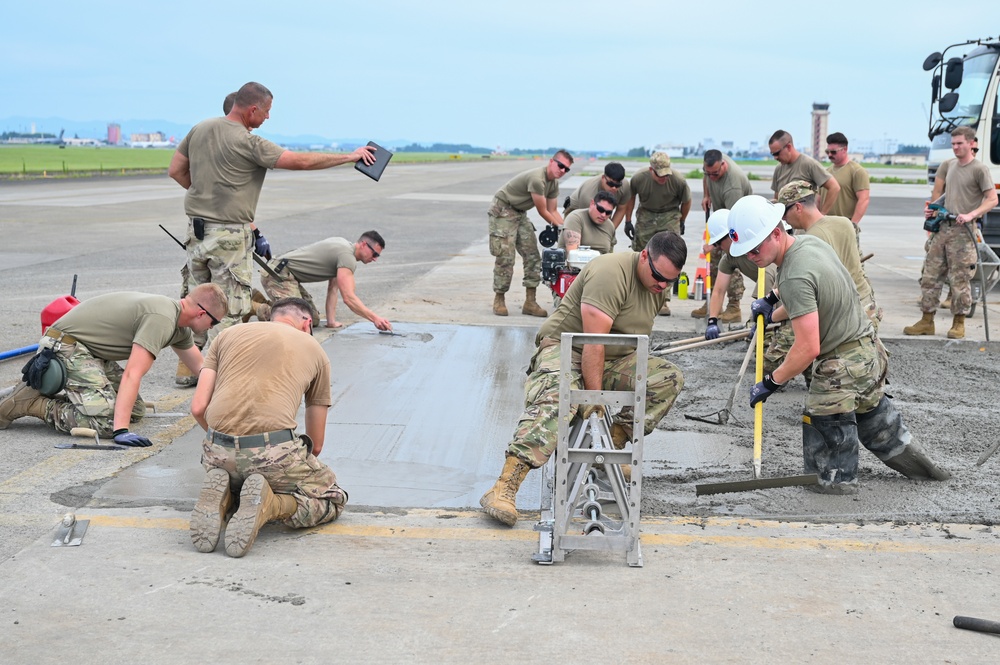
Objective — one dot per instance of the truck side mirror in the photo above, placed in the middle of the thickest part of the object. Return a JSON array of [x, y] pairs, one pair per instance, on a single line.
[[935, 87], [932, 61], [948, 102], [953, 73]]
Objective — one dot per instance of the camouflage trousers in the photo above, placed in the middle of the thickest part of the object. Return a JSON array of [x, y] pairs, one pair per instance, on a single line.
[[88, 400], [850, 379], [511, 231], [736, 287], [222, 257], [537, 429], [289, 468], [286, 287], [782, 339], [951, 258], [648, 224]]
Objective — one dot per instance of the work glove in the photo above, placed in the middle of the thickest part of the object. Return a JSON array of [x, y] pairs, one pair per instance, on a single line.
[[629, 230], [32, 372], [126, 438], [682, 227], [761, 391], [260, 245], [592, 408], [764, 307], [712, 331]]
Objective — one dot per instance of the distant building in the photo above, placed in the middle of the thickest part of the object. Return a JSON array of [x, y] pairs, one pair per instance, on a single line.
[[918, 160], [151, 137], [114, 133], [672, 149], [820, 118]]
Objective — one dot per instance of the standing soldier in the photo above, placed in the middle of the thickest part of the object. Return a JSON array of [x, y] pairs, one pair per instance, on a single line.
[[724, 184], [969, 193], [664, 204], [852, 202], [793, 165], [510, 229]]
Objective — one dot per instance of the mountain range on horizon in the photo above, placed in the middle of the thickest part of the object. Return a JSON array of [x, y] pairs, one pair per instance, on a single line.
[[97, 129]]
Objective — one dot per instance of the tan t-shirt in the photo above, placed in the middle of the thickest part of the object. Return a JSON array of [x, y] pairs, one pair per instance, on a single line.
[[263, 369], [517, 192], [596, 236], [965, 185], [658, 198], [747, 267], [228, 165], [110, 324], [838, 233], [730, 188], [804, 168], [586, 192], [320, 261], [853, 178], [812, 279], [611, 284]]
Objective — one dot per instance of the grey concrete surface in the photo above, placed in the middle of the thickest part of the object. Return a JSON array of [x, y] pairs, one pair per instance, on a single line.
[[409, 574]]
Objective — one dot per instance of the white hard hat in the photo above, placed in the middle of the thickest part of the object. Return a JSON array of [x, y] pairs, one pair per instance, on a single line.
[[750, 221], [718, 226]]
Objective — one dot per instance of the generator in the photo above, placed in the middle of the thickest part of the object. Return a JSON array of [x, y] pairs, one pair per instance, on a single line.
[[559, 271]]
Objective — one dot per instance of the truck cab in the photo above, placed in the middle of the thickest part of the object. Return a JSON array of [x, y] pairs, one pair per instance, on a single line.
[[965, 90]]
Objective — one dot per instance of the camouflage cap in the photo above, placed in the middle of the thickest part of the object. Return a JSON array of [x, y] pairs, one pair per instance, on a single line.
[[660, 163], [794, 191]]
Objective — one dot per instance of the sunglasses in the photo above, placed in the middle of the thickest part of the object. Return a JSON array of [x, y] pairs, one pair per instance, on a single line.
[[565, 169], [613, 184], [211, 318], [778, 151], [756, 250], [833, 152], [657, 276], [714, 174], [375, 254], [604, 211]]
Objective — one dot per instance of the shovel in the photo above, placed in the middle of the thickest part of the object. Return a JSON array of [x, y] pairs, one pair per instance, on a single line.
[[721, 417]]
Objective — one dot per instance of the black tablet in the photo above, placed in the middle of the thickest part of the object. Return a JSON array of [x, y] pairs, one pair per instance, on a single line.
[[374, 171]]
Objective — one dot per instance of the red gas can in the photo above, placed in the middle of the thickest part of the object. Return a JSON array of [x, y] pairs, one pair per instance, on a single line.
[[55, 309]]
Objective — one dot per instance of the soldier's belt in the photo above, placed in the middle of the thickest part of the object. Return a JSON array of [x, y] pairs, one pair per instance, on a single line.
[[252, 440], [845, 347], [60, 336]]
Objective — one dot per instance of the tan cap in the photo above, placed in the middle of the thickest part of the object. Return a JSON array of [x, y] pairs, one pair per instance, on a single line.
[[660, 163], [794, 191]]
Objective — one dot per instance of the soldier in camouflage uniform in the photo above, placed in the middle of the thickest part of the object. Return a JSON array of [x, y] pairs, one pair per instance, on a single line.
[[92, 337], [511, 231], [251, 446], [846, 405], [618, 293], [969, 193], [222, 163]]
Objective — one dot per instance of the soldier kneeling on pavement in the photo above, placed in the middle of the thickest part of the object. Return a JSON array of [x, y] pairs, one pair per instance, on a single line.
[[620, 294], [846, 405], [251, 446]]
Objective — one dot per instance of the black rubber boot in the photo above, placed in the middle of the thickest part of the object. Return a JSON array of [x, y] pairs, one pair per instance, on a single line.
[[830, 449], [882, 431]]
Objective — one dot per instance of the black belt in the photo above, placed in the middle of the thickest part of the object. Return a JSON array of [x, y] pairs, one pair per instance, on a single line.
[[252, 440], [60, 336], [281, 265]]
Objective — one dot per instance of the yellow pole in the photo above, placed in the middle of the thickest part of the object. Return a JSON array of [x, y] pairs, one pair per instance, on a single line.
[[708, 262], [758, 410]]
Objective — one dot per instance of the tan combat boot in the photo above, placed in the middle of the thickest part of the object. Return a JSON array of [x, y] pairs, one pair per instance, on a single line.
[[701, 312], [23, 401], [531, 307], [500, 502], [732, 313], [619, 437], [957, 327], [925, 326], [499, 308], [184, 376], [256, 300], [211, 511], [258, 506], [665, 310]]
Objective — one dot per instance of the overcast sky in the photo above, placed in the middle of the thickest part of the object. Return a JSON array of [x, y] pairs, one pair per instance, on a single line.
[[584, 74]]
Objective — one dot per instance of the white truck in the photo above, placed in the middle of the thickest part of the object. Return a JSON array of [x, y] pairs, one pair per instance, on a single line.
[[965, 90]]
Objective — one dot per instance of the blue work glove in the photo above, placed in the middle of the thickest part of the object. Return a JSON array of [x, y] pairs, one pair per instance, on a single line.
[[124, 437], [712, 331], [629, 230], [260, 245], [764, 307], [761, 391]]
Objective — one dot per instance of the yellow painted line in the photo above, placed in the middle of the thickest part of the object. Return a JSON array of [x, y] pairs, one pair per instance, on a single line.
[[465, 533]]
